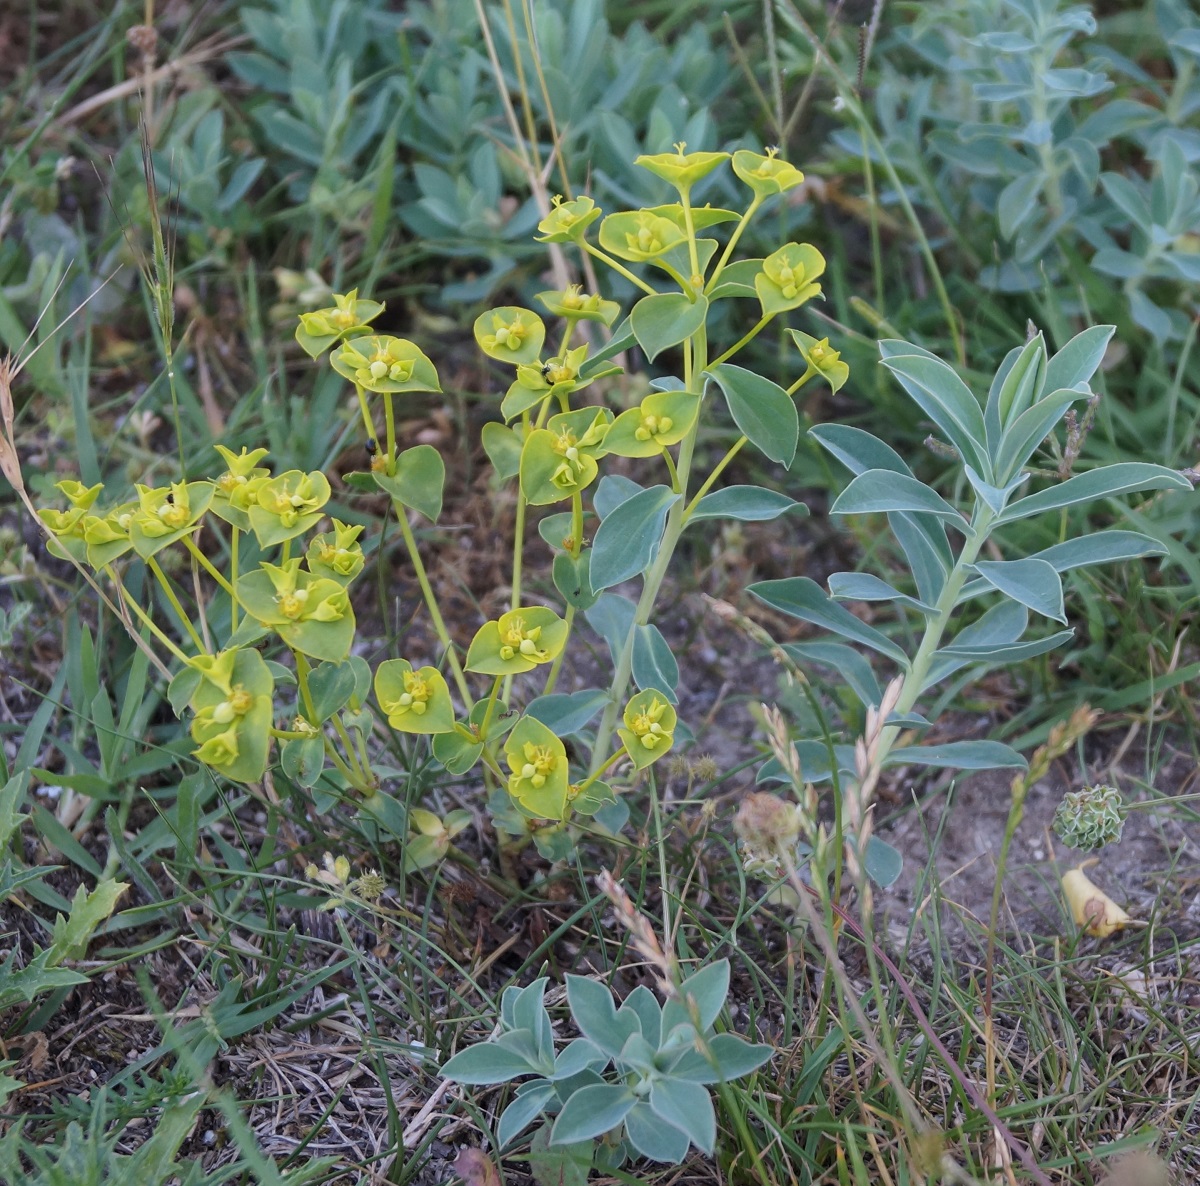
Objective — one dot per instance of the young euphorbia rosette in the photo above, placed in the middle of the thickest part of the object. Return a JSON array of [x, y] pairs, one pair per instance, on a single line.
[[288, 506], [319, 329], [166, 514], [414, 701], [820, 359], [337, 554], [539, 781], [560, 460], [663, 418], [639, 235], [234, 707], [788, 278], [517, 641], [311, 614], [576, 305], [430, 840], [766, 174], [682, 169], [385, 364], [649, 730], [567, 221], [236, 490], [537, 381]]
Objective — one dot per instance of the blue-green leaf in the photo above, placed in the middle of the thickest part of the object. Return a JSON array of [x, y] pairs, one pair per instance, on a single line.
[[628, 537], [527, 1106], [486, 1063], [750, 504], [596, 1016], [1033, 583], [654, 665], [564, 714], [666, 319], [803, 598], [883, 863], [735, 1057], [814, 763], [591, 1112], [418, 481], [611, 491], [653, 1139], [688, 1107], [762, 410]]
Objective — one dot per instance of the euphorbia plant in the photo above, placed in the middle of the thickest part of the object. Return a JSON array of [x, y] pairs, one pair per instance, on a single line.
[[284, 571]]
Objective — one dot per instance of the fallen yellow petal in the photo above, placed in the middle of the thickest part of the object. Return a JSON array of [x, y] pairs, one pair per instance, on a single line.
[[1091, 907]]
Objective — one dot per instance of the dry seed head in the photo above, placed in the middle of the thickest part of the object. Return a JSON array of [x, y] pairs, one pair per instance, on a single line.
[[645, 941]]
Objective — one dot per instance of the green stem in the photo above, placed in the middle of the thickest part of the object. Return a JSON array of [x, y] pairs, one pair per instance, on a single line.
[[718, 469], [165, 585], [389, 413], [808, 374], [519, 534], [737, 234], [302, 670], [431, 604], [235, 538], [666, 456], [366, 411], [619, 752], [620, 269], [685, 198], [144, 617], [493, 696], [919, 668], [695, 361], [211, 568], [556, 666], [747, 337]]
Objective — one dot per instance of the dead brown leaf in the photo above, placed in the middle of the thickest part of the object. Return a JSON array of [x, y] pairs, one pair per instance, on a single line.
[[476, 1168]]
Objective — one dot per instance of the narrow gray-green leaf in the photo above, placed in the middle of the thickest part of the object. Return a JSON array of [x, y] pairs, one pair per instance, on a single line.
[[805, 599], [1125, 477], [959, 755], [1078, 360], [862, 586], [1013, 652], [1029, 430], [851, 667], [749, 504], [947, 401], [883, 491], [1101, 547]]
